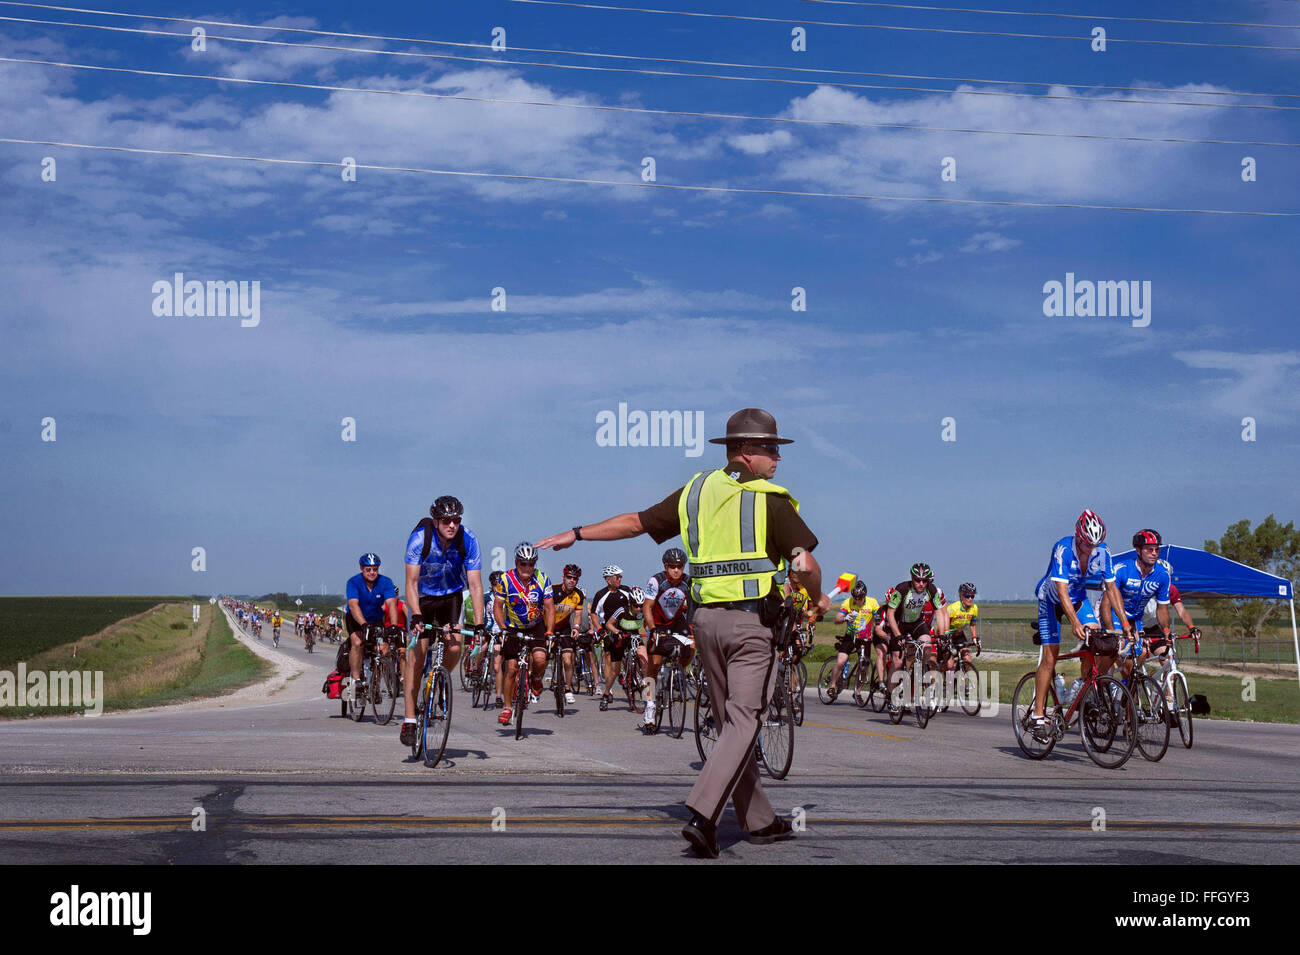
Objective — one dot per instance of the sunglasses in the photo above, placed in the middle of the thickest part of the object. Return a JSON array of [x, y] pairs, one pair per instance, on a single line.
[[526, 563], [772, 449], [449, 520], [674, 566]]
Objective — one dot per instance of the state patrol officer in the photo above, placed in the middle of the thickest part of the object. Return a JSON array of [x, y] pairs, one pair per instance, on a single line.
[[740, 531]]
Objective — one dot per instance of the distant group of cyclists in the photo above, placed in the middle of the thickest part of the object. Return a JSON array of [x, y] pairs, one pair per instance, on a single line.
[[522, 615]]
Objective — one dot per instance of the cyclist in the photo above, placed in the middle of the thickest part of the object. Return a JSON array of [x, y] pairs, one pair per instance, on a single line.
[[1139, 580], [598, 615], [442, 560], [370, 595], [963, 613], [523, 602], [906, 609], [624, 614], [1159, 644], [857, 613], [666, 611], [1062, 595], [569, 600]]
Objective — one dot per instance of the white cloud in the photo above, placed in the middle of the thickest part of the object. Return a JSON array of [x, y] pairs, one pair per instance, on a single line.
[[988, 242], [760, 144]]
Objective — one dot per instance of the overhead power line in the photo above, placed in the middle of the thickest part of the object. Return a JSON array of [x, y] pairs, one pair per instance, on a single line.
[[907, 29], [1059, 16], [638, 184], [621, 56], [644, 72], [641, 110]]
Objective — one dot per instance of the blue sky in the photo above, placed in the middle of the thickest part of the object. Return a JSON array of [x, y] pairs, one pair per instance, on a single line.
[[174, 433]]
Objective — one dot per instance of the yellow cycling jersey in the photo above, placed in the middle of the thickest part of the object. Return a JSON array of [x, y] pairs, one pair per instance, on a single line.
[[858, 616], [960, 618]]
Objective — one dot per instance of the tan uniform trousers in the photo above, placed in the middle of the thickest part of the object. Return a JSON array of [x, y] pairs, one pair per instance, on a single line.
[[739, 661]]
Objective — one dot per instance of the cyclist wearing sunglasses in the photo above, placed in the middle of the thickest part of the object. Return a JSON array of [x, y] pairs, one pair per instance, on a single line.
[[442, 560], [523, 602], [666, 609], [568, 599]]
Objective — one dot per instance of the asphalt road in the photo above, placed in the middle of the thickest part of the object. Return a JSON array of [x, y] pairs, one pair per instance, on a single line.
[[281, 777]]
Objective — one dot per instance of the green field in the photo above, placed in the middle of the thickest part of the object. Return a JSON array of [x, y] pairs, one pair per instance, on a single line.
[[30, 625], [156, 657]]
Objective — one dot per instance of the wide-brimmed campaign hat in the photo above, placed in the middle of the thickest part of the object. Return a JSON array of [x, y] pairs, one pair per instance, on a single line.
[[751, 424]]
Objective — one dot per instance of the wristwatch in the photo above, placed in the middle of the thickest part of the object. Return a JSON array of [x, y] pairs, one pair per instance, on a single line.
[[577, 532]]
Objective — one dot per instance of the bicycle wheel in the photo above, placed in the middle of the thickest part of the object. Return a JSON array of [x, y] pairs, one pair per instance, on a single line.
[[421, 703], [776, 734], [389, 691], [1152, 725], [436, 724], [706, 725], [358, 701], [1106, 723], [676, 703], [897, 694], [922, 693], [802, 670], [824, 679], [861, 685], [968, 689], [521, 698], [477, 684], [1183, 709], [465, 671], [635, 696], [795, 697], [1022, 709]]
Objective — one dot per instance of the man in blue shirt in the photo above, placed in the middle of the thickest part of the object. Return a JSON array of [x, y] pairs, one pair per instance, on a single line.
[[369, 594], [1139, 580], [1062, 593], [442, 560]]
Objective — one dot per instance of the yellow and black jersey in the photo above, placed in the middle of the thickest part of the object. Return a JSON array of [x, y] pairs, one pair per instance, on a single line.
[[566, 605]]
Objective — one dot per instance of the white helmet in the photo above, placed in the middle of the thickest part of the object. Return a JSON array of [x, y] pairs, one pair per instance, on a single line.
[[612, 570], [1090, 528], [525, 551], [638, 595]]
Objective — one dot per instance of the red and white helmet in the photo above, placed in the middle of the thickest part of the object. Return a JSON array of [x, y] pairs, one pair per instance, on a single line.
[[1090, 528]]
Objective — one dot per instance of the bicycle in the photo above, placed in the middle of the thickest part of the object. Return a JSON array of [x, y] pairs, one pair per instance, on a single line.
[[483, 678], [795, 686], [924, 694], [585, 670], [1149, 706], [633, 673], [1103, 705], [379, 678], [966, 684], [1180, 704], [854, 673], [670, 689], [433, 699], [528, 641], [309, 641]]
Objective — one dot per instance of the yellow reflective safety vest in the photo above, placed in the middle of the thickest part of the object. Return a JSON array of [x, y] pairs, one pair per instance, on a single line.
[[724, 528]]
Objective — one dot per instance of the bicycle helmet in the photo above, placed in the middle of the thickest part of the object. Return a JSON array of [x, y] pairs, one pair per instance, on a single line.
[[525, 552], [1147, 537], [860, 589], [922, 571], [573, 570], [674, 555], [612, 570], [966, 588], [638, 596], [369, 560], [446, 506], [1090, 528]]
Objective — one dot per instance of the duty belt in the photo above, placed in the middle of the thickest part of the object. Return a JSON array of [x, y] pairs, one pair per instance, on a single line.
[[748, 605]]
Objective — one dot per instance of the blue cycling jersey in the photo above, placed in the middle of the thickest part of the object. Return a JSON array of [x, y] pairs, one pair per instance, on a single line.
[[1137, 590], [444, 571], [371, 599], [1064, 566]]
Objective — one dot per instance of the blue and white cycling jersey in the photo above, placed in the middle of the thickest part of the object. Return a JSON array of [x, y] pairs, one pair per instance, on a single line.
[[1064, 566], [1137, 590], [443, 571]]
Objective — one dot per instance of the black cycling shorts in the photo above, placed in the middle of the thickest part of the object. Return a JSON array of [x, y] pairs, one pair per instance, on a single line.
[[850, 643], [515, 638], [442, 610], [616, 646], [354, 627], [663, 647]]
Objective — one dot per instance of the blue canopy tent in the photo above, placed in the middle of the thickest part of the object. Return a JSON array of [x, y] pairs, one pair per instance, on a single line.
[[1199, 572]]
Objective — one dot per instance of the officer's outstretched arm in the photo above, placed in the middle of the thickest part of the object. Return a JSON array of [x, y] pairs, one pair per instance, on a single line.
[[806, 572]]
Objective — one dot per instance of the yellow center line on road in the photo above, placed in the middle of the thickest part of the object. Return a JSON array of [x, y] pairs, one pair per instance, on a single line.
[[845, 729], [161, 823]]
